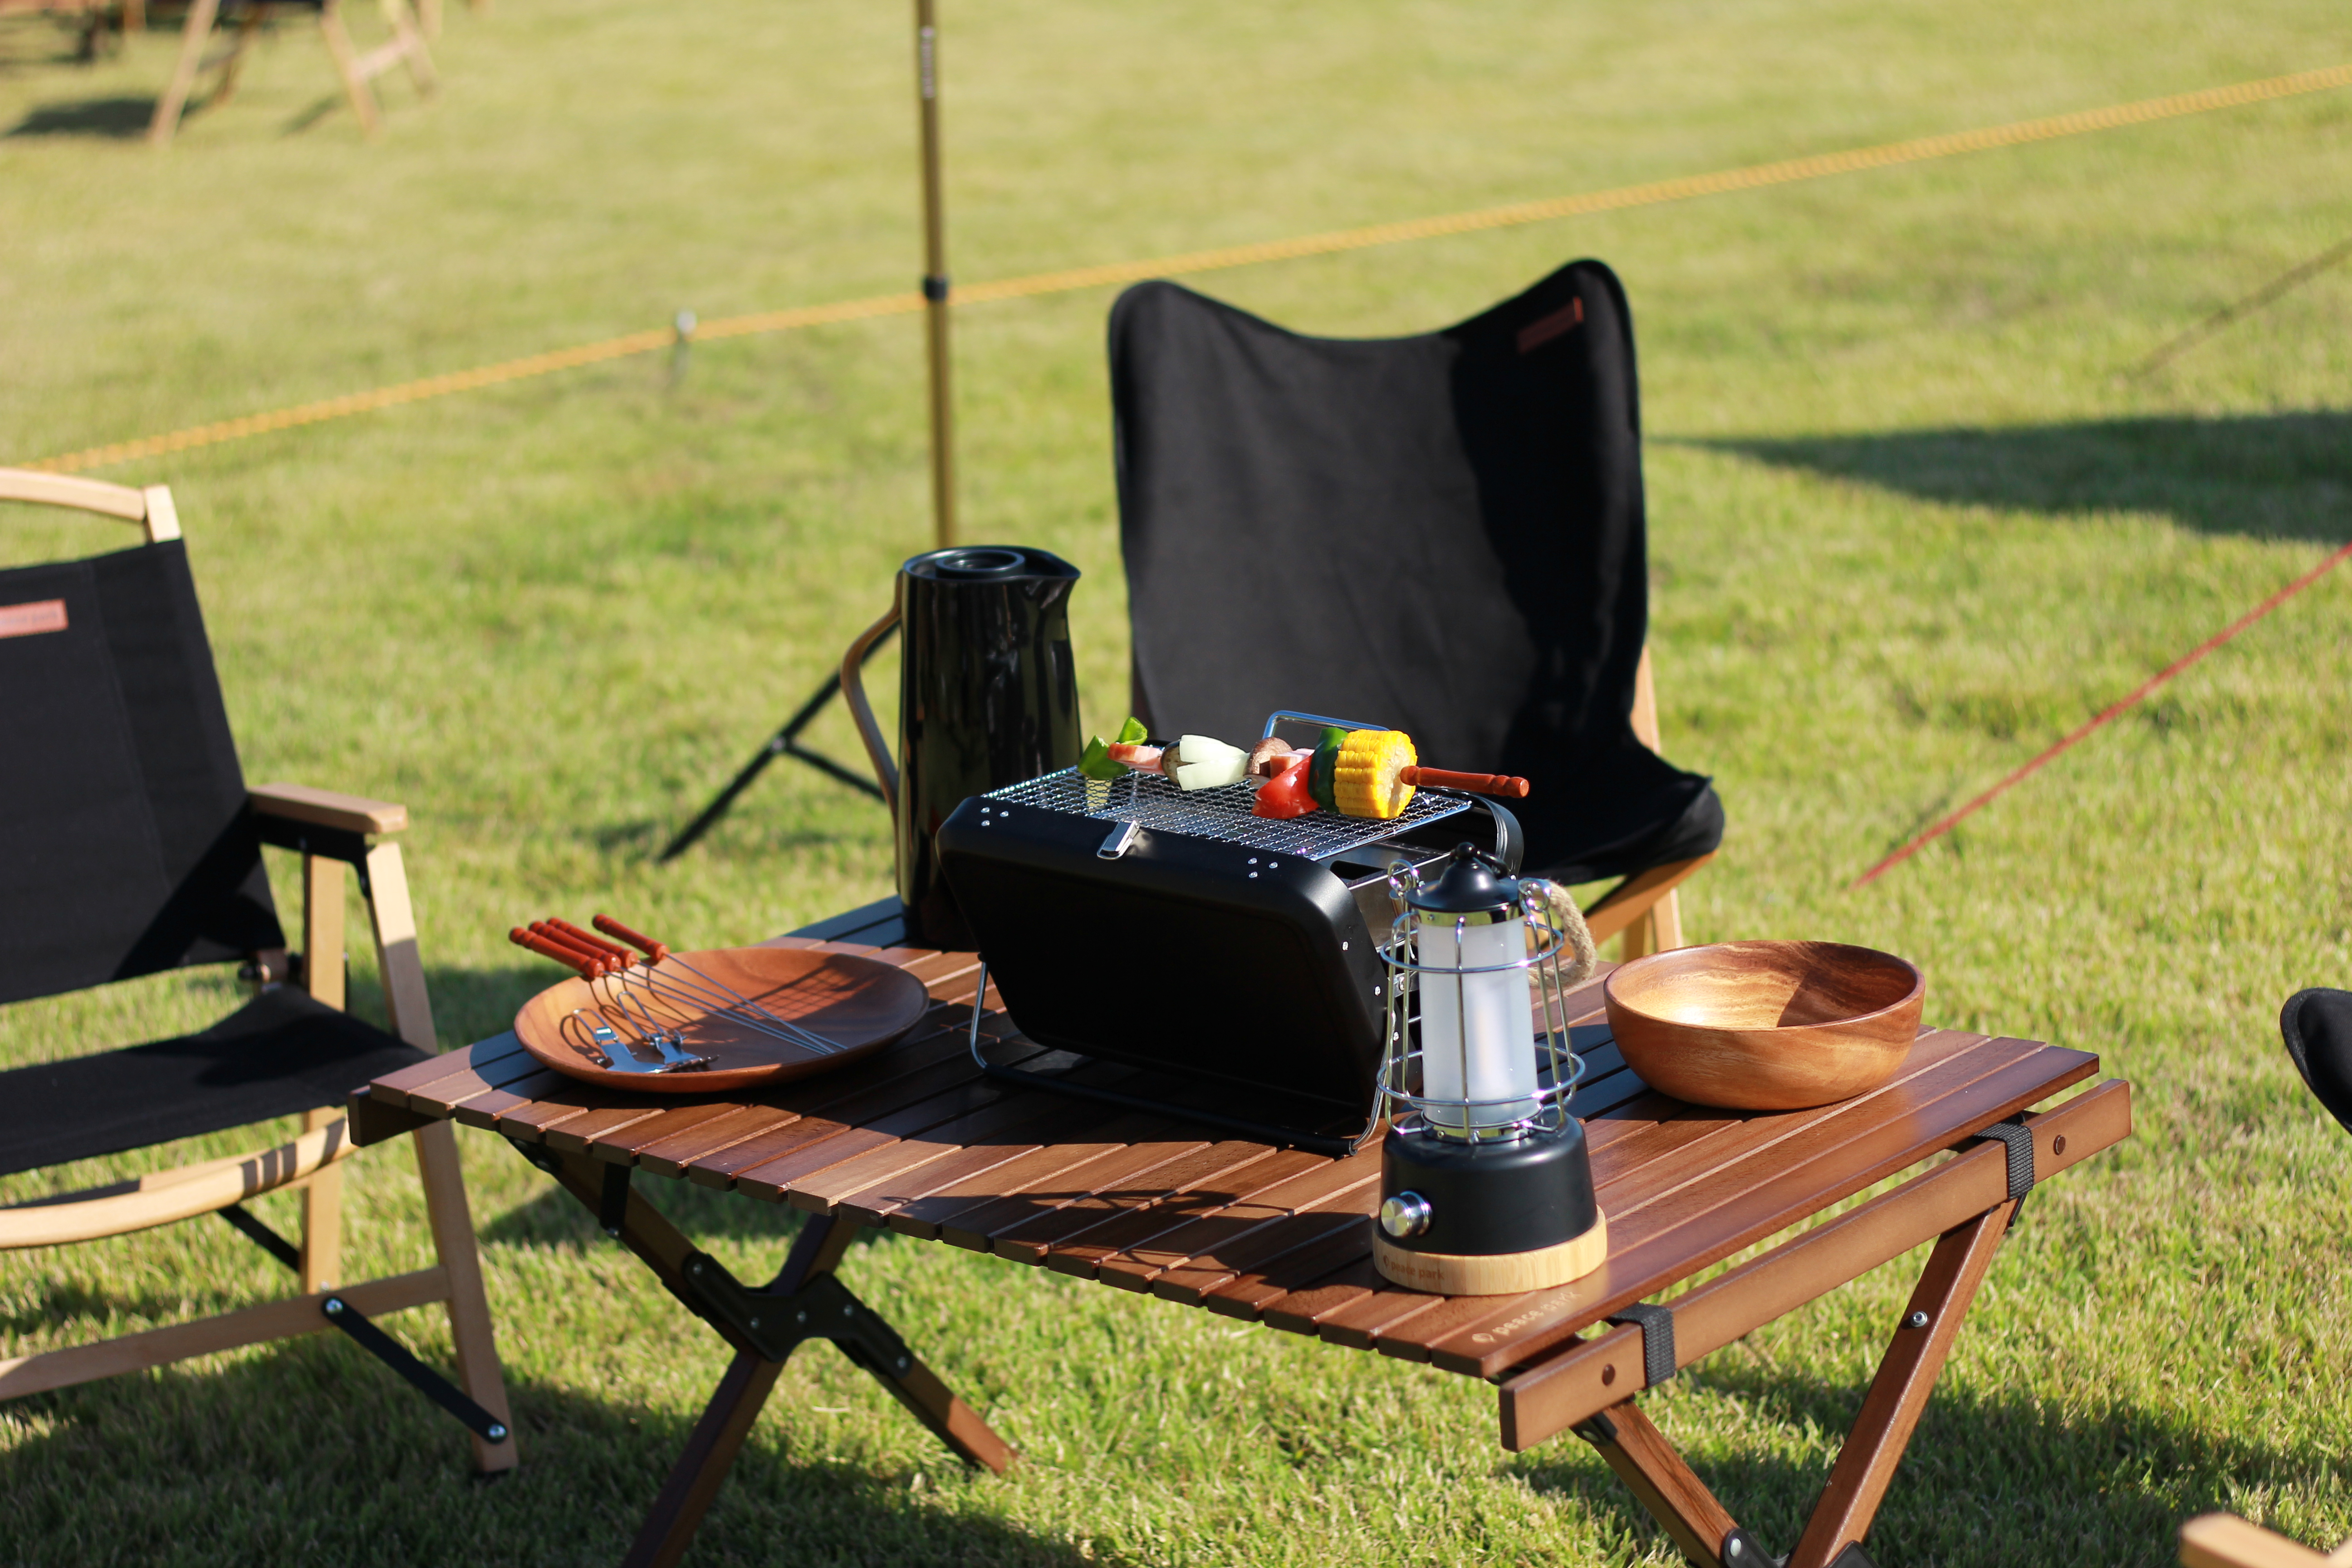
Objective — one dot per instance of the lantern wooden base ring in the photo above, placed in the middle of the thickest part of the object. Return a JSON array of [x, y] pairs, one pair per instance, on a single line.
[[1499, 1274]]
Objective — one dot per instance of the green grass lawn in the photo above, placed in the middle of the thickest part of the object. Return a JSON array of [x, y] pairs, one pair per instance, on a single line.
[[1908, 524]]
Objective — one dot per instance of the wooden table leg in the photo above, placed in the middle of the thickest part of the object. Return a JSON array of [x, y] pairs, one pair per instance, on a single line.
[[1662, 1483], [727, 1421], [1891, 1411]]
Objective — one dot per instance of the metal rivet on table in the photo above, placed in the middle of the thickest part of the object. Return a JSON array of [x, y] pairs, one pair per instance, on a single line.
[[755, 1322], [1917, 1320], [1252, 876], [800, 1317], [335, 1307], [2058, 1144], [497, 1434], [848, 1311], [1608, 1374], [905, 1362], [1735, 1551]]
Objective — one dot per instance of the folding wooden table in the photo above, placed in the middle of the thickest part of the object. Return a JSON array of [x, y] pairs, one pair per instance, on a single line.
[[920, 1140]]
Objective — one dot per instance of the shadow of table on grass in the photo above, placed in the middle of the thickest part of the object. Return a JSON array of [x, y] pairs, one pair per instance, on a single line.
[[1997, 1479], [310, 1452], [2264, 476]]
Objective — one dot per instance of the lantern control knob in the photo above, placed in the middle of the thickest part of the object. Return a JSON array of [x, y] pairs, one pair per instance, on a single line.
[[1404, 1213]]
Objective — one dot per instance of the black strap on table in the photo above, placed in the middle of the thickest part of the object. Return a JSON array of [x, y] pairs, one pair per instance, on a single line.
[[422, 1378], [1657, 1340], [2019, 1138]]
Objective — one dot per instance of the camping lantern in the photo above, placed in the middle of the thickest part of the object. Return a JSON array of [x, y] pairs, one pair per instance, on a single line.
[[1486, 1183]]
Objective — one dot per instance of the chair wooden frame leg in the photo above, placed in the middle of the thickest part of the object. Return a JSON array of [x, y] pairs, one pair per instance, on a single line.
[[322, 957], [409, 1008], [727, 1421]]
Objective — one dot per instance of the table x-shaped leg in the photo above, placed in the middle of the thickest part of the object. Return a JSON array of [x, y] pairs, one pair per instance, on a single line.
[[1705, 1531], [805, 1301]]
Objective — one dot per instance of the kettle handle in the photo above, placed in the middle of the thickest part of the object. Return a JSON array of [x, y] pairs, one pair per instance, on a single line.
[[853, 692]]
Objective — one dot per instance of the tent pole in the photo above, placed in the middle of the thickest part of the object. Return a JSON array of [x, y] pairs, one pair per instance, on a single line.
[[935, 276]]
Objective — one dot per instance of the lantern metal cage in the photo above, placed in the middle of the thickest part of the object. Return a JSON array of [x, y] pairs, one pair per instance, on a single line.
[[1403, 1082]]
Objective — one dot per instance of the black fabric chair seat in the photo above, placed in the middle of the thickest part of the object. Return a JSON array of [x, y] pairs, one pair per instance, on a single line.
[[280, 1054], [2317, 1027]]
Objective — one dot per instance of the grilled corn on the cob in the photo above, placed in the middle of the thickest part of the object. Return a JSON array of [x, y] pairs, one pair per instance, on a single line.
[[1364, 781]]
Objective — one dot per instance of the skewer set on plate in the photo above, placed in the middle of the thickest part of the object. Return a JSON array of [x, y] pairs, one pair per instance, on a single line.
[[641, 1002]]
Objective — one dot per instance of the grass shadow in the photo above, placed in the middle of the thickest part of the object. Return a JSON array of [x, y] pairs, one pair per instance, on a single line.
[[1988, 1479], [116, 119], [311, 1451], [2265, 475]]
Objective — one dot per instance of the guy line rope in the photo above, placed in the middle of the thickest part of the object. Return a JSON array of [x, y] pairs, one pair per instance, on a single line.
[[1752, 177]]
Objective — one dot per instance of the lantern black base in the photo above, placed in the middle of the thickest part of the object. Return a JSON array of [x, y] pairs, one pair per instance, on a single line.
[[1529, 1198]]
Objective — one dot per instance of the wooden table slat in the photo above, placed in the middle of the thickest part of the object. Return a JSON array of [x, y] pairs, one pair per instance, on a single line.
[[1155, 1172], [1024, 1177], [1249, 1293], [1007, 1109], [393, 1089], [1350, 1208], [1207, 1236], [822, 1105], [1044, 1119], [1083, 1252]]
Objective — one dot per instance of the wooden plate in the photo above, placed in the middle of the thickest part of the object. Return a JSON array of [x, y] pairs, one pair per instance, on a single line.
[[858, 1004]]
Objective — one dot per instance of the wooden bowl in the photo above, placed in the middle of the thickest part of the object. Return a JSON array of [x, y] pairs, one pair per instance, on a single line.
[[1765, 1026]]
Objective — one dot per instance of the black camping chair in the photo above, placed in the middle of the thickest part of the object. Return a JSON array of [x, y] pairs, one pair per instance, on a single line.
[[1442, 532], [129, 845], [2317, 1027]]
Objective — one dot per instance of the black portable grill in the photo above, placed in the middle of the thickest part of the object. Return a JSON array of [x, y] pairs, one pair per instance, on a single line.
[[1171, 929]]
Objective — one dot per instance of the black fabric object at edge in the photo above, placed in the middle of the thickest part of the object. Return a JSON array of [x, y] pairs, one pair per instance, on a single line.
[[280, 1053], [1442, 533], [126, 846], [2317, 1026]]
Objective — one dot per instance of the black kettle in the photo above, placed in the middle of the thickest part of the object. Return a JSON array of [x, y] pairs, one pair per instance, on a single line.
[[988, 696]]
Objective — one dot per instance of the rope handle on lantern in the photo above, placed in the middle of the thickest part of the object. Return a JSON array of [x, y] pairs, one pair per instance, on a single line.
[[1570, 921]]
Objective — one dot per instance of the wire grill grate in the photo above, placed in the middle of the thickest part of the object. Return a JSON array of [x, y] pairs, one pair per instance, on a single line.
[[1150, 801]]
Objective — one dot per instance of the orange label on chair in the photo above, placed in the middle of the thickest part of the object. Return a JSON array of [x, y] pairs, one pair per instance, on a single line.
[[1537, 334], [25, 620]]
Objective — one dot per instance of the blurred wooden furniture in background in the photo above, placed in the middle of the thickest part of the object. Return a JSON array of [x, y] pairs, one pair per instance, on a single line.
[[406, 46]]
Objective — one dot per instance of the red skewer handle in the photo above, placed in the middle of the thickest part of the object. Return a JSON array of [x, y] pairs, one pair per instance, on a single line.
[[546, 949], [592, 941], [645, 944], [1503, 785], [598, 960]]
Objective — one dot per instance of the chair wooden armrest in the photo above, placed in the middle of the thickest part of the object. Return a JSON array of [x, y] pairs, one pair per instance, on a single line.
[[328, 808], [165, 1198], [2225, 1540]]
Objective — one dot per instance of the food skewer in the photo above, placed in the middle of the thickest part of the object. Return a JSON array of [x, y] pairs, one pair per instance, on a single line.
[[608, 965], [618, 966], [603, 1037], [707, 989]]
